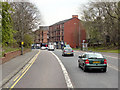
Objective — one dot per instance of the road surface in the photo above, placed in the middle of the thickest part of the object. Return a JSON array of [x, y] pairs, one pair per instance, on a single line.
[[46, 72]]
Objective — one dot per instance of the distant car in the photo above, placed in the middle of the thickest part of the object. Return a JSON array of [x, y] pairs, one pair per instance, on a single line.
[[92, 60], [43, 48], [67, 51], [51, 47], [66, 46]]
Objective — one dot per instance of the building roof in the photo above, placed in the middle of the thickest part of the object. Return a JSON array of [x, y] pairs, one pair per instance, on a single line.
[[61, 22], [44, 28]]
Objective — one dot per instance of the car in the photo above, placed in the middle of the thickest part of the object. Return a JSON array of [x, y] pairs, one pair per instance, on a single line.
[[51, 47], [66, 46], [43, 48], [67, 51], [92, 60]]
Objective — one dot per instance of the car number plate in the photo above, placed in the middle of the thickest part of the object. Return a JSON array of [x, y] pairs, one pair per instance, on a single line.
[[96, 61], [68, 53]]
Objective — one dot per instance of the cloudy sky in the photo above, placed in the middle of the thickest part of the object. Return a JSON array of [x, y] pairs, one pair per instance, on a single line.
[[56, 10]]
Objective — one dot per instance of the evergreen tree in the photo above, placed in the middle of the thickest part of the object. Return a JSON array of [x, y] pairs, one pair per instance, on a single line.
[[7, 25]]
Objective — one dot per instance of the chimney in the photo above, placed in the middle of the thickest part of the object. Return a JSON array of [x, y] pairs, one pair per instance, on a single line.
[[74, 16]]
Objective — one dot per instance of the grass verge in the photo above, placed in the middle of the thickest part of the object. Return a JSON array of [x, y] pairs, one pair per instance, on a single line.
[[101, 49]]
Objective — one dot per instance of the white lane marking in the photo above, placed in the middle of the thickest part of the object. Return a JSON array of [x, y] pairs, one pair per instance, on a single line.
[[67, 78], [114, 67], [111, 57]]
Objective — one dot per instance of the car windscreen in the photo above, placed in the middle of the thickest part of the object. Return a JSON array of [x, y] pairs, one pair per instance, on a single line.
[[94, 55], [67, 45]]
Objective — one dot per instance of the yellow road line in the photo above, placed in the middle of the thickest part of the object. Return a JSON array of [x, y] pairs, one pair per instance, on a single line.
[[20, 78], [25, 68], [16, 78], [31, 62], [35, 57]]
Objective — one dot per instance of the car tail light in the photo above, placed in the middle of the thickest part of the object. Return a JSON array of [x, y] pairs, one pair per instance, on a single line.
[[72, 50], [105, 61], [87, 61]]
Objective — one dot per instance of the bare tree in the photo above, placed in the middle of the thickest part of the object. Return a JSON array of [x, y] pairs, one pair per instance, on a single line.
[[26, 17], [101, 20]]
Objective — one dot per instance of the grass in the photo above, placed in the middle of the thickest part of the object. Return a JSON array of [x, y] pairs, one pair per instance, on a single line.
[[101, 49]]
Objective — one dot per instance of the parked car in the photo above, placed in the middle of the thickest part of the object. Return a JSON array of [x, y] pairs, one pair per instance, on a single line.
[[51, 47], [92, 60], [43, 48], [67, 51]]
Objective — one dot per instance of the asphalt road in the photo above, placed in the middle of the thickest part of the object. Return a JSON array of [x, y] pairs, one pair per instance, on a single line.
[[46, 72], [90, 79]]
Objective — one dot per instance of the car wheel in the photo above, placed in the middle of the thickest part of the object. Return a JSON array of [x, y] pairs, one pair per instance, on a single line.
[[72, 54], [79, 65], [104, 70], [84, 68]]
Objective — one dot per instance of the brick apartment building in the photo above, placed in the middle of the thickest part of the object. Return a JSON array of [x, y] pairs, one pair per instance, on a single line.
[[41, 35], [68, 31]]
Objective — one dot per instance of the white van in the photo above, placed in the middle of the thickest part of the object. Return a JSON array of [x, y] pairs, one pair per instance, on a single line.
[[51, 47]]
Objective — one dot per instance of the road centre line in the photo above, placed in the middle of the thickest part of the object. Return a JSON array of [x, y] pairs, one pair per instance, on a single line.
[[65, 73], [26, 69]]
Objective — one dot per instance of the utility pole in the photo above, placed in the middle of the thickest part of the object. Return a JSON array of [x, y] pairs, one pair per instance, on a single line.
[[79, 36], [22, 30]]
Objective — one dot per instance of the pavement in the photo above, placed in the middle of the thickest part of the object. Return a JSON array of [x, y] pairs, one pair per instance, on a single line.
[[12, 67]]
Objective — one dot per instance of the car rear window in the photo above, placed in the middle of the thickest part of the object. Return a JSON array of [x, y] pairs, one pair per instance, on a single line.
[[68, 49], [94, 55]]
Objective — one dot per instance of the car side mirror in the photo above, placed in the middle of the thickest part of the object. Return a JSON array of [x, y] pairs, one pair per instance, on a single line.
[[80, 57]]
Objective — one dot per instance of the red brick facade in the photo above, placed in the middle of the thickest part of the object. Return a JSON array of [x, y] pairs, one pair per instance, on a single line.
[[8, 56], [69, 31], [41, 35]]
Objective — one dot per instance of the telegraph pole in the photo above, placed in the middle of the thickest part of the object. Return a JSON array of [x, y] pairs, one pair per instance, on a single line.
[[79, 37], [22, 35]]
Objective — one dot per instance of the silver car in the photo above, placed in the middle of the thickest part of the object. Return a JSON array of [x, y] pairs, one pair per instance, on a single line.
[[67, 51]]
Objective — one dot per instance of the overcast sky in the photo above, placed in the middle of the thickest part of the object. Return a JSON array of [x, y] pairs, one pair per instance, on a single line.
[[56, 10]]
